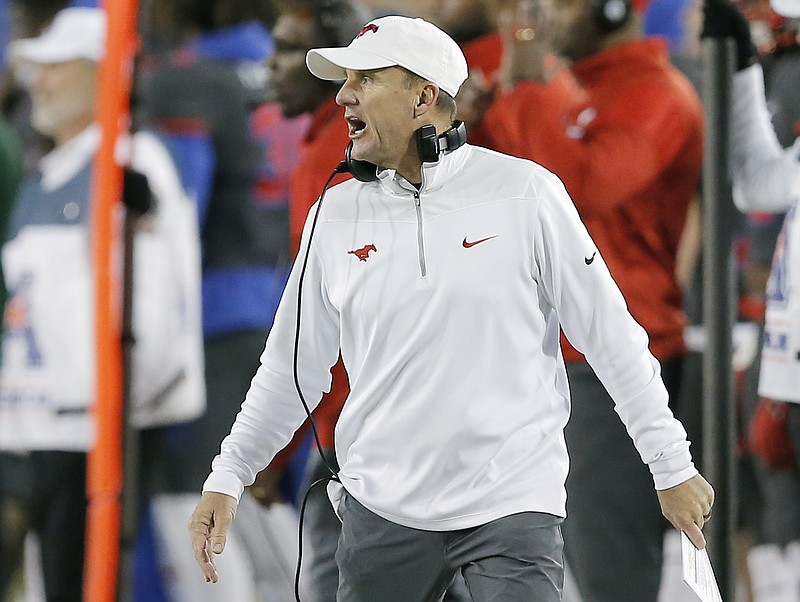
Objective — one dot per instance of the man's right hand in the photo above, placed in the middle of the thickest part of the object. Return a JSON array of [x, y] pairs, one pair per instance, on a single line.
[[208, 529], [523, 27]]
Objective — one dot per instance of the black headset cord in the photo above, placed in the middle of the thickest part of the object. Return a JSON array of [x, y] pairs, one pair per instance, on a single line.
[[341, 168]]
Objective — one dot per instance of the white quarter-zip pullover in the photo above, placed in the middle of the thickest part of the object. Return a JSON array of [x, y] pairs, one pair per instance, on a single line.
[[446, 304]]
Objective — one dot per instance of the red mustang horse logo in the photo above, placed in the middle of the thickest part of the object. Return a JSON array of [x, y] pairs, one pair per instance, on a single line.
[[371, 27], [363, 252]]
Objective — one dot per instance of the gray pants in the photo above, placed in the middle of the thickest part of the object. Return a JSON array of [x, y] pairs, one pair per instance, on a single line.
[[517, 558], [323, 529]]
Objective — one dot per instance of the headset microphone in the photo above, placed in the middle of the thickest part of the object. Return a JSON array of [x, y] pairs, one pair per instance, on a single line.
[[363, 171]]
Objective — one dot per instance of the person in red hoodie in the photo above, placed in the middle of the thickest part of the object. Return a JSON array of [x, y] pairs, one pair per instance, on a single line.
[[302, 25], [623, 130]]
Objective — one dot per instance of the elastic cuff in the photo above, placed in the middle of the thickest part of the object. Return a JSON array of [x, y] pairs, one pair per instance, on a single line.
[[673, 467], [224, 482]]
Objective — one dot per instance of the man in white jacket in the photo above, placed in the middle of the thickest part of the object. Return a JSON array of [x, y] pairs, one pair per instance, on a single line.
[[48, 369], [444, 280]]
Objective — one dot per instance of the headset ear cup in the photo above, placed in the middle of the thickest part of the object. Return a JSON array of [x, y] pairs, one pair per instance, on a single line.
[[363, 171], [456, 136], [610, 15], [427, 144]]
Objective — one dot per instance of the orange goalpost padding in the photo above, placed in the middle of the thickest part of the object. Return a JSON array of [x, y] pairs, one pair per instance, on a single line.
[[104, 471]]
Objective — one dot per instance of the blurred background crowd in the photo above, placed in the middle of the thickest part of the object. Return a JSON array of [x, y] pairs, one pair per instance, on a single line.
[[236, 140]]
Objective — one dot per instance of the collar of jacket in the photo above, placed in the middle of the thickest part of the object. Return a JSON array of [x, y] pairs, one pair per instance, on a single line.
[[434, 175]]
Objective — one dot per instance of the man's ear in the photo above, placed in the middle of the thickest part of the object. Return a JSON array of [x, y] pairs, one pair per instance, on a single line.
[[426, 99]]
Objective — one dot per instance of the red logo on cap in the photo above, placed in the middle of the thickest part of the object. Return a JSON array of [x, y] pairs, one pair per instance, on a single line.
[[371, 27]]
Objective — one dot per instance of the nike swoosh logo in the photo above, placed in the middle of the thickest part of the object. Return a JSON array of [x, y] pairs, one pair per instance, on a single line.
[[467, 245], [589, 260]]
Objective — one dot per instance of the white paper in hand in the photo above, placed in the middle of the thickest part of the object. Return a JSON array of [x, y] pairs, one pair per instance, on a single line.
[[697, 572]]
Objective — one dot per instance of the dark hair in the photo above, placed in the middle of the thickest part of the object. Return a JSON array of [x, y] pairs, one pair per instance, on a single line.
[[444, 103], [212, 14], [336, 22], [339, 20]]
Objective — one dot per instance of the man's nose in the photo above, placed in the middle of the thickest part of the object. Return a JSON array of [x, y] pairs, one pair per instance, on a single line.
[[345, 96]]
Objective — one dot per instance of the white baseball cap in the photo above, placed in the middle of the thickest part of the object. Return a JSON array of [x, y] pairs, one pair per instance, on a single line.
[[394, 41], [75, 33], [787, 8]]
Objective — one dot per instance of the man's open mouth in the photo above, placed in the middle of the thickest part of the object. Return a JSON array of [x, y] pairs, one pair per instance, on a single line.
[[356, 126]]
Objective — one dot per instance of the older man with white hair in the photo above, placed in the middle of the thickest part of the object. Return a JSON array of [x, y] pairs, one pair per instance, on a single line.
[[47, 372]]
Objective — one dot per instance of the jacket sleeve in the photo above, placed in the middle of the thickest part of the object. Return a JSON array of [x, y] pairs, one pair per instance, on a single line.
[[766, 176], [603, 155], [272, 410], [168, 384], [595, 319]]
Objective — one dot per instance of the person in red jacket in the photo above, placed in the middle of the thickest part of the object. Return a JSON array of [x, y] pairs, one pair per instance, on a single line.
[[623, 129], [303, 25]]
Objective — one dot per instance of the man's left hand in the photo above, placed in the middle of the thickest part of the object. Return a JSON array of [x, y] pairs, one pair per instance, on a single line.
[[688, 506]]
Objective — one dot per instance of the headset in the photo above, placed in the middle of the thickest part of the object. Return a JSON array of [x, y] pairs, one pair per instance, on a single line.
[[429, 145], [610, 15]]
